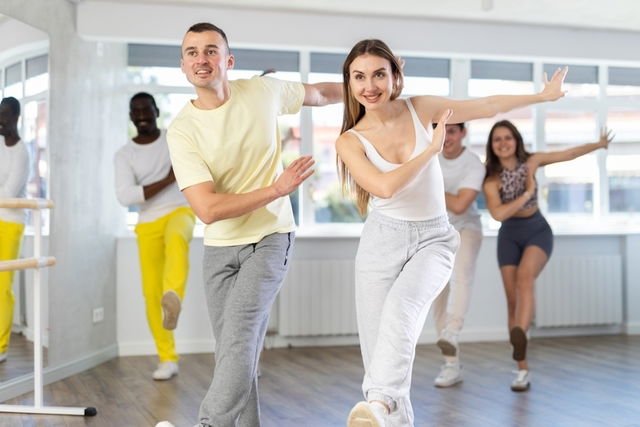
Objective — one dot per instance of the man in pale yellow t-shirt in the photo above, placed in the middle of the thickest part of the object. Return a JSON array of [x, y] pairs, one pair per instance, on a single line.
[[225, 151]]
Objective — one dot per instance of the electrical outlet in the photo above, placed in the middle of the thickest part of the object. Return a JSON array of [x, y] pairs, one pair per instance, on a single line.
[[98, 315]]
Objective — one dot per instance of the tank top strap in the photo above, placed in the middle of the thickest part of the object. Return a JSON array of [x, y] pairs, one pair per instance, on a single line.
[[417, 124], [368, 146]]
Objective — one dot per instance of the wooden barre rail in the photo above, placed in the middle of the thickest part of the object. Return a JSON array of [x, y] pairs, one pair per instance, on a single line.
[[25, 263], [26, 203]]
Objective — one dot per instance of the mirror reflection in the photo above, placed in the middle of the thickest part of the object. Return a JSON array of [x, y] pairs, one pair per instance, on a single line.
[[24, 87]]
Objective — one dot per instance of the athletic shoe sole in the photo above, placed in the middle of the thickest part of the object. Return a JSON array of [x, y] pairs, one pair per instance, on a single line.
[[171, 309], [518, 389], [362, 416], [447, 348], [518, 340]]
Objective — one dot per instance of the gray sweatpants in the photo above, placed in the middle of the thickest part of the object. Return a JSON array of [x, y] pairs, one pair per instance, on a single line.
[[401, 267], [241, 284]]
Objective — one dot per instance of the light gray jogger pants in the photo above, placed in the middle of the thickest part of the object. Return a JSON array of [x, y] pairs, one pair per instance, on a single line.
[[401, 267], [241, 284]]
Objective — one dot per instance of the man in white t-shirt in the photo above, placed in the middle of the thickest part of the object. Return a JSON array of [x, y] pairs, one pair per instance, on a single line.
[[14, 174], [463, 174], [144, 177]]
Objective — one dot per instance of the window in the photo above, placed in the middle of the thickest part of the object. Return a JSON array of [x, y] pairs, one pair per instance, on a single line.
[[589, 187], [569, 185], [505, 78], [581, 80], [623, 158], [330, 205]]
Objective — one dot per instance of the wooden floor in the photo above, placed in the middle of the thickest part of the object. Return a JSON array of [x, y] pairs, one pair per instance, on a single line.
[[592, 381]]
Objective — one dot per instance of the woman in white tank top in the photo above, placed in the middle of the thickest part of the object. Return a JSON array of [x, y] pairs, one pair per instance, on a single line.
[[387, 157]]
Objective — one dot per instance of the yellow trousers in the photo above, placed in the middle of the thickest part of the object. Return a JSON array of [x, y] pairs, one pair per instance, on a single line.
[[10, 239], [163, 247]]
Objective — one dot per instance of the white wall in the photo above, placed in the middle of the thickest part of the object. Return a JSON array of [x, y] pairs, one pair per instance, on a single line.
[[12, 30], [486, 319]]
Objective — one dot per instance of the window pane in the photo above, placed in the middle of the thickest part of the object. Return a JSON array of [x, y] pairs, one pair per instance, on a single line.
[[581, 90], [487, 87], [425, 86], [37, 84], [623, 158], [162, 76], [615, 93], [569, 185], [326, 192], [14, 90]]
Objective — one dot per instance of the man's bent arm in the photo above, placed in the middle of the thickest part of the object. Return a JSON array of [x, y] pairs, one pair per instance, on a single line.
[[211, 206]]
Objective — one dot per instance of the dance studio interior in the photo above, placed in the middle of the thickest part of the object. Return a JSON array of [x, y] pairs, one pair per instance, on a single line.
[[81, 351]]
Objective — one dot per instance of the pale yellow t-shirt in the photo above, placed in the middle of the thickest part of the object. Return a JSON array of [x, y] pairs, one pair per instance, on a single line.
[[237, 146]]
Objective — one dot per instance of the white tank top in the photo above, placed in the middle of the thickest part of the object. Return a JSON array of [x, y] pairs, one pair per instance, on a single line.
[[423, 197]]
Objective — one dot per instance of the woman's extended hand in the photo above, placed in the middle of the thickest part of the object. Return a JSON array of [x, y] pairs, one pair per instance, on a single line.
[[553, 88], [605, 138], [439, 132]]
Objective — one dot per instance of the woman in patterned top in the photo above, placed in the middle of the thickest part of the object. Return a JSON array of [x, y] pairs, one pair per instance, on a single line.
[[525, 240]]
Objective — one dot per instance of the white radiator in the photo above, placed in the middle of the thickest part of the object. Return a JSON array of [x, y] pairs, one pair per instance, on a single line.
[[580, 291], [318, 298]]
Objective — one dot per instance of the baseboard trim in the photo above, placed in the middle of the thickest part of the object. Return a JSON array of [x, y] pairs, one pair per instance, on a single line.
[[632, 328], [24, 384]]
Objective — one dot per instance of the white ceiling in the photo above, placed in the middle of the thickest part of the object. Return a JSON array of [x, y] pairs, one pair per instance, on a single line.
[[601, 14]]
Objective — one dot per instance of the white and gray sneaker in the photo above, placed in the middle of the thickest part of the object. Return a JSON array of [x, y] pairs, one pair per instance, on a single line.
[[448, 343], [521, 381], [366, 414], [165, 371], [3, 357], [450, 374]]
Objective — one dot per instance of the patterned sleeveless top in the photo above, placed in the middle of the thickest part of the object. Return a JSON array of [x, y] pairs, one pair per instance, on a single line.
[[513, 182]]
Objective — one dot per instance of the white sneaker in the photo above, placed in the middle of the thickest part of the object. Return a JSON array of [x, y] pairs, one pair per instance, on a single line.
[[521, 381], [448, 343], [450, 374], [366, 414], [171, 306], [165, 371]]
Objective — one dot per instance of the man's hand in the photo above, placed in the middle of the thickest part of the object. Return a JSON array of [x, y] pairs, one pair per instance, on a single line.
[[294, 175]]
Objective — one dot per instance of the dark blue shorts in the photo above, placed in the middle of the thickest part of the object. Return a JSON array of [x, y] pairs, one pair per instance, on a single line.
[[517, 233]]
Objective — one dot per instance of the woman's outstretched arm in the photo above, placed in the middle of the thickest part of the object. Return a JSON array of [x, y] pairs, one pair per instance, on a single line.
[[546, 158], [429, 107]]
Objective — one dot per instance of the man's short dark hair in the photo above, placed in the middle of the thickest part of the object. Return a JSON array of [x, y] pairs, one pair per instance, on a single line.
[[201, 27], [461, 125], [144, 95], [14, 105]]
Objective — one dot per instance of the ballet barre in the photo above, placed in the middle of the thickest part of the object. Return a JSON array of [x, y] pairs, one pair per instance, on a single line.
[[36, 263], [26, 263]]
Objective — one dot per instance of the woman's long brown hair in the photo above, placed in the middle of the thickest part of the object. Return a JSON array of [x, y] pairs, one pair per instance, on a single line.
[[354, 111]]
